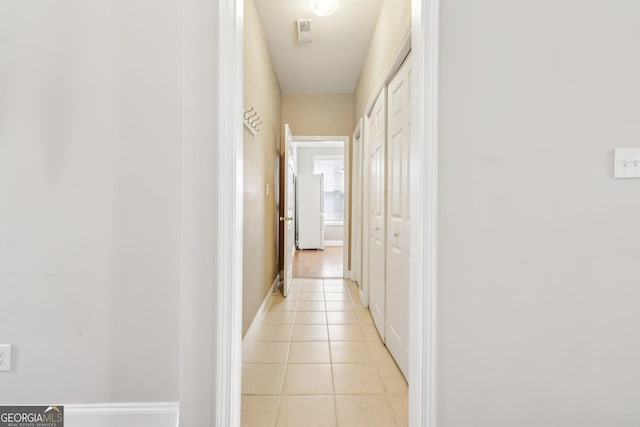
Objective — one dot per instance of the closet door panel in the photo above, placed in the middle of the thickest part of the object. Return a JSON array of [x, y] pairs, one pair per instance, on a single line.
[[397, 220], [376, 212]]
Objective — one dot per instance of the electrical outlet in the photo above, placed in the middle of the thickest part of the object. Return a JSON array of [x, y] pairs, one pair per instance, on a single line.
[[5, 357]]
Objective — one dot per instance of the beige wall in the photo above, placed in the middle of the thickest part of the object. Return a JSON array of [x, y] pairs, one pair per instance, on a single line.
[[262, 91], [324, 114], [539, 245], [393, 25]]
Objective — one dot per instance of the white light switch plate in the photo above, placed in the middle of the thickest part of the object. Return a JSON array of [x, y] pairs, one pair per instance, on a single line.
[[627, 163], [5, 357]]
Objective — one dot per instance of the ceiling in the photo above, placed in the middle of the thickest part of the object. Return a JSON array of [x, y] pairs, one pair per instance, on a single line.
[[331, 63]]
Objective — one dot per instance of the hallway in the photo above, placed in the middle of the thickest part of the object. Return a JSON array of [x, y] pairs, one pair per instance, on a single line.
[[313, 263], [316, 360]]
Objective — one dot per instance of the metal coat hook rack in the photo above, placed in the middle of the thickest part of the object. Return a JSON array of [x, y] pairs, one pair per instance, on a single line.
[[252, 120]]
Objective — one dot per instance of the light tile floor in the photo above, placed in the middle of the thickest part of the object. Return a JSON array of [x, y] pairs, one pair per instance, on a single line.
[[324, 263], [317, 360]]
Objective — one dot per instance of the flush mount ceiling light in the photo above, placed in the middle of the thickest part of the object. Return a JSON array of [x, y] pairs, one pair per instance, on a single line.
[[323, 7]]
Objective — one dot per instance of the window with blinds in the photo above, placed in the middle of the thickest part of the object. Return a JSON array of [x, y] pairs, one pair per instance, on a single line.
[[332, 167]]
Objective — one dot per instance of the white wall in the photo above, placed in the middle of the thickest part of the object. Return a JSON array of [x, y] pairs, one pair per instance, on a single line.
[[333, 233], [201, 213], [539, 246], [305, 156], [90, 200]]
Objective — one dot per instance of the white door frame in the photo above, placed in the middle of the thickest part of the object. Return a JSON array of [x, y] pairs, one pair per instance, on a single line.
[[356, 204], [346, 240], [222, 28], [425, 42], [364, 287], [230, 191]]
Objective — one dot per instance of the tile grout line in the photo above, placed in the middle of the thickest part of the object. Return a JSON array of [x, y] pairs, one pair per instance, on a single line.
[[286, 361], [333, 375]]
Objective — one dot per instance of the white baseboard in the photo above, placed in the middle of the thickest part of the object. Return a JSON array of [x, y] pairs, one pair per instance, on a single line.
[[157, 414], [258, 317], [333, 242], [364, 298]]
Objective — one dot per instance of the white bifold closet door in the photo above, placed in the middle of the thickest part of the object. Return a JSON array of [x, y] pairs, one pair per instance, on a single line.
[[397, 226], [376, 215]]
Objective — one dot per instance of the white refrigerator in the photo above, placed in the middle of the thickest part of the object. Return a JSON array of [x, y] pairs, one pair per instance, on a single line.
[[310, 211]]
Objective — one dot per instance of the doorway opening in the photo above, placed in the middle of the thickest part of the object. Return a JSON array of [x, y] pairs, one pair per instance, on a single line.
[[322, 207], [226, 366]]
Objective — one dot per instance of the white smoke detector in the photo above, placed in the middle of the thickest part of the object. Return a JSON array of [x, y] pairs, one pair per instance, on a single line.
[[304, 30]]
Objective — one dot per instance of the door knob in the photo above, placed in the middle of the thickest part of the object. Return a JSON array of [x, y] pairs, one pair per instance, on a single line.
[[396, 234], [286, 218]]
